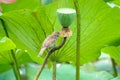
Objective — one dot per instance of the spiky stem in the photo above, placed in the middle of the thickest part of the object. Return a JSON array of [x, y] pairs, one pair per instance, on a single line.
[[54, 71], [77, 7], [114, 68], [12, 55]]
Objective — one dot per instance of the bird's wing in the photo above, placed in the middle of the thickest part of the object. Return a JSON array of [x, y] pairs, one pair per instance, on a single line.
[[49, 41]]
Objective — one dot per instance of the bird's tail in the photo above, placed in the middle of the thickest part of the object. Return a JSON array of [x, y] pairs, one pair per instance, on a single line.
[[41, 51]]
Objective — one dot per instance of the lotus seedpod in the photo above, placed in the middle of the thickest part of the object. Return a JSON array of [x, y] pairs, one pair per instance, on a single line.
[[66, 16]]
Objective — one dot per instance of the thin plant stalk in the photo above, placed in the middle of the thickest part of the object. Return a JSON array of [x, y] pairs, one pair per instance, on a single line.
[[54, 71], [115, 73], [12, 55], [41, 67], [77, 7]]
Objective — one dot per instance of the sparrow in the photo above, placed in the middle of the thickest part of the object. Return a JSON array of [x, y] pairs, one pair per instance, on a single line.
[[49, 42]]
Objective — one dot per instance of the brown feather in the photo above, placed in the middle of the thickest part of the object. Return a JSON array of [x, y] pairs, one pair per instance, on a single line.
[[49, 42]]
